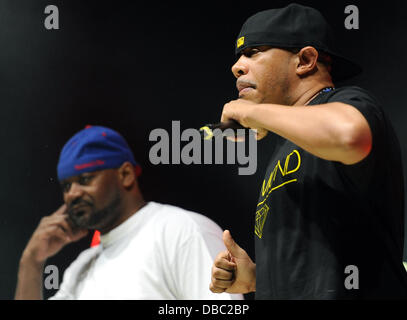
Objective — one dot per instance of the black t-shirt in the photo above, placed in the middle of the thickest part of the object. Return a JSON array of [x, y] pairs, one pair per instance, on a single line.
[[316, 217]]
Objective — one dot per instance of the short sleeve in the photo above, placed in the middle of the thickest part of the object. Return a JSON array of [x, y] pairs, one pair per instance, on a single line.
[[370, 108]]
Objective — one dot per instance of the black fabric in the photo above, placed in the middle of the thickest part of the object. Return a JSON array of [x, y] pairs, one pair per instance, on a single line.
[[295, 26], [315, 217]]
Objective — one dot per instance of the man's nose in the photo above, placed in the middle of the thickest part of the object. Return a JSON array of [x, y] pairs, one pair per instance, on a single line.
[[240, 68]]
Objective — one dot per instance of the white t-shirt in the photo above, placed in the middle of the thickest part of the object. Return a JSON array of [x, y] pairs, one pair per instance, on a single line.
[[160, 252]]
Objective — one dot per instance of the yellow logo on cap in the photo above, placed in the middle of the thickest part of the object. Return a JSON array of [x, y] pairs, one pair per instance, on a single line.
[[240, 42]]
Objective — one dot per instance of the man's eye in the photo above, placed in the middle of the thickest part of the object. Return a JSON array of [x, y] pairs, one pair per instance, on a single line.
[[65, 187], [252, 52], [85, 179]]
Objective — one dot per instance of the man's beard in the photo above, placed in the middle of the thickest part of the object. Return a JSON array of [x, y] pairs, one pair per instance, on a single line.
[[97, 219]]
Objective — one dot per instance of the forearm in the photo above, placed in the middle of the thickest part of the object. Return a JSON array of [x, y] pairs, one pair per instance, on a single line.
[[329, 131], [29, 283], [51, 235]]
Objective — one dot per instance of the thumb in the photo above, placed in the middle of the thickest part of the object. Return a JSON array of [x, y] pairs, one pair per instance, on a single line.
[[231, 245]]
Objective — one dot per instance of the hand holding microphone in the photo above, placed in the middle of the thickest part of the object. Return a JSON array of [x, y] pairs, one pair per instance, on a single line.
[[237, 114], [207, 131]]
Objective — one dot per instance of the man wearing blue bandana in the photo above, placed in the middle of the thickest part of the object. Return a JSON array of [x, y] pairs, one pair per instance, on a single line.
[[147, 250]]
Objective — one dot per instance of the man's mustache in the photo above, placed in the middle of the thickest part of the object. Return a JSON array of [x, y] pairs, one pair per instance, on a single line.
[[77, 203]]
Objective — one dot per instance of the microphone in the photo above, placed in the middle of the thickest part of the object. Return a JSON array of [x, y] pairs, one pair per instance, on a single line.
[[207, 130]]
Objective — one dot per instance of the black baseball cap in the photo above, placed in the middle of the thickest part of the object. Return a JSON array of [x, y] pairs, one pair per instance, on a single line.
[[295, 26]]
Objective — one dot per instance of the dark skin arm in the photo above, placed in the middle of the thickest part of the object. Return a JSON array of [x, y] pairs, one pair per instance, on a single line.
[[333, 131], [52, 234]]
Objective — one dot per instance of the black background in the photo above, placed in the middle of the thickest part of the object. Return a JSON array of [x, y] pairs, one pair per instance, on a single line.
[[137, 66]]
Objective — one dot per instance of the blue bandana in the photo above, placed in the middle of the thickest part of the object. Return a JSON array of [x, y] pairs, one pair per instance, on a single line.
[[94, 148]]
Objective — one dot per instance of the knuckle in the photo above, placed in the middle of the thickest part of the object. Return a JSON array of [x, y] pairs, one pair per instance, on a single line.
[[214, 289], [217, 262], [222, 255], [217, 273], [52, 229], [218, 265], [216, 282]]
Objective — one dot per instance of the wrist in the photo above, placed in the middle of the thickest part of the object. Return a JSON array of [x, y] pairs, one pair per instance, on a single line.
[[256, 115], [28, 260]]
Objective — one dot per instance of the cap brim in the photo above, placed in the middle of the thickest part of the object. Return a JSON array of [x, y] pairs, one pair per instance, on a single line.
[[343, 69]]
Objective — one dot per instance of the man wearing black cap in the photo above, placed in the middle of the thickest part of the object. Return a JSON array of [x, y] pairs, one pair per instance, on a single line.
[[330, 217], [147, 250]]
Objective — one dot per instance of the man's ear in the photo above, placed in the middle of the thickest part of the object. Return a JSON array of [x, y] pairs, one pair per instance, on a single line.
[[127, 175], [307, 61]]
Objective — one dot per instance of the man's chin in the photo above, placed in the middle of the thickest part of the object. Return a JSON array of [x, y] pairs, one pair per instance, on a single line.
[[79, 224], [98, 220], [249, 97], [82, 220]]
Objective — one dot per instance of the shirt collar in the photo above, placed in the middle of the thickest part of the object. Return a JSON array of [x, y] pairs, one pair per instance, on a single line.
[[125, 227]]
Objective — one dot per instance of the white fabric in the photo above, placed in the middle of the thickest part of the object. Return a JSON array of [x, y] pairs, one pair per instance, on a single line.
[[160, 252]]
